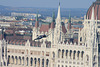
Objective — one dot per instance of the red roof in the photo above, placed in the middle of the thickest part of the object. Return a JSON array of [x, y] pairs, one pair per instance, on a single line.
[[44, 28], [64, 29], [36, 24], [52, 25]]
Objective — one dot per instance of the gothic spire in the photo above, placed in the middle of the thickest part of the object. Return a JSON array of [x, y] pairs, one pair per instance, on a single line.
[[69, 18], [69, 23], [36, 17], [37, 23], [58, 16], [53, 17]]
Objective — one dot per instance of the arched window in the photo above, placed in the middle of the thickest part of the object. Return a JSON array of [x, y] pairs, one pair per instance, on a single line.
[[13, 59], [70, 54], [82, 53], [23, 60], [58, 65], [8, 60], [35, 61], [94, 58], [74, 54], [27, 61], [87, 58], [80, 38], [59, 53], [78, 54], [62, 66], [31, 61], [16, 59], [53, 55], [66, 53], [47, 63], [42, 62], [38, 62], [19, 60], [4, 63], [62, 53]]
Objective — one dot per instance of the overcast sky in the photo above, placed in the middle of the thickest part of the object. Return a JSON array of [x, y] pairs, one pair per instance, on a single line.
[[48, 3]]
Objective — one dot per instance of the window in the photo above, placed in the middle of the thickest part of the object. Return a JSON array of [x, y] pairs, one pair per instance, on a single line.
[[81, 39], [58, 65]]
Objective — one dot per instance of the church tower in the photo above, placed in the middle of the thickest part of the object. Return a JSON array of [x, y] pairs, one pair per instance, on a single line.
[[58, 28], [36, 28], [69, 23], [93, 41]]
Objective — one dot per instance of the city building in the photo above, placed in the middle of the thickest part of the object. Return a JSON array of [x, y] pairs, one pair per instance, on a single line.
[[49, 47]]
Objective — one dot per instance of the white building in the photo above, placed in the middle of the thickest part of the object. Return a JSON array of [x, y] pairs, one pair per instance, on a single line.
[[48, 47]]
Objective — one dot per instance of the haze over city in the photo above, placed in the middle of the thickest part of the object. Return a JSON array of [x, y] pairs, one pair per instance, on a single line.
[[47, 3]]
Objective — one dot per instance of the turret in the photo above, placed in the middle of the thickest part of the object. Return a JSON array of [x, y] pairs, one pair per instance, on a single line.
[[37, 22], [53, 21], [58, 28], [69, 23]]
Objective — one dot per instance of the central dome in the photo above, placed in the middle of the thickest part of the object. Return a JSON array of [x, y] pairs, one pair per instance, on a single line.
[[96, 6]]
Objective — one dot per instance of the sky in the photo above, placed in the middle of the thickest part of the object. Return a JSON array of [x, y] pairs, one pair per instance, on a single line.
[[48, 3]]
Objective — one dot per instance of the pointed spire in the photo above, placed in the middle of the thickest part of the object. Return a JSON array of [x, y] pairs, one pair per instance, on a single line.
[[36, 17], [37, 23], [92, 16], [53, 21], [69, 23], [53, 17], [58, 16], [69, 18]]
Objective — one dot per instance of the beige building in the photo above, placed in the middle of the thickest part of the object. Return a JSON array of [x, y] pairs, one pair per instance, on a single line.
[[48, 47]]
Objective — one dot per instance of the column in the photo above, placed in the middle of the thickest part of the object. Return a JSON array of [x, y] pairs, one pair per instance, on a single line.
[[60, 54], [76, 55], [68, 54], [33, 62], [48, 63], [40, 62], [44, 62], [9, 60], [15, 60], [64, 54], [18, 61], [80, 56], [22, 61], [73, 53], [37, 63]]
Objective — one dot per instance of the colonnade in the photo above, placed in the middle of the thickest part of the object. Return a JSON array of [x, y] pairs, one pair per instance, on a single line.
[[29, 62], [69, 54]]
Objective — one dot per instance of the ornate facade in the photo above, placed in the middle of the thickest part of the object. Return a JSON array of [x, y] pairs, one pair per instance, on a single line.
[[54, 50]]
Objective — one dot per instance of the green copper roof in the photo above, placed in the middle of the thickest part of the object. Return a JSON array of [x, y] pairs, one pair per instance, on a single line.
[[69, 18], [53, 17], [37, 17]]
